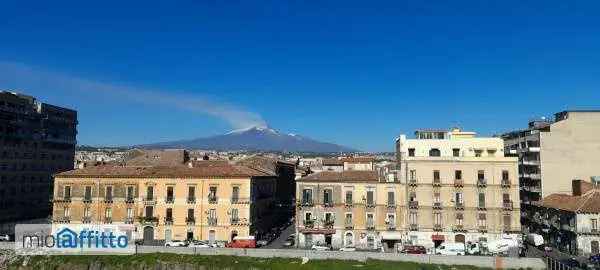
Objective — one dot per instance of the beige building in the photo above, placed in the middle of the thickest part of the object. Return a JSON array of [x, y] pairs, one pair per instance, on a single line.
[[169, 197], [458, 188], [349, 208]]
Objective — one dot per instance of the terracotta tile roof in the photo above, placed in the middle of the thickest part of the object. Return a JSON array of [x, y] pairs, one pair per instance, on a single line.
[[587, 203], [156, 157], [206, 169], [358, 159], [332, 162], [345, 176], [263, 164]]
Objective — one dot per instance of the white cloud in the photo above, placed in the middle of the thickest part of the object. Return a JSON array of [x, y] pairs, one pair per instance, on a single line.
[[25, 77]]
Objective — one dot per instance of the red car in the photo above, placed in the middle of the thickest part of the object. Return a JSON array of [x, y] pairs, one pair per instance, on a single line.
[[242, 242], [414, 250]]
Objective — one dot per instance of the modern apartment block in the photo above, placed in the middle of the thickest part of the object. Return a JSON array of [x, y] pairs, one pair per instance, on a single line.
[[552, 153], [36, 141], [168, 197], [349, 209], [458, 188]]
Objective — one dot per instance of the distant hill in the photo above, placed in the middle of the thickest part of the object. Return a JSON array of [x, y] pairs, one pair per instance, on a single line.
[[253, 139]]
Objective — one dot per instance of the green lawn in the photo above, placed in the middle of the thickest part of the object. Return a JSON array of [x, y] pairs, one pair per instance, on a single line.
[[217, 263]]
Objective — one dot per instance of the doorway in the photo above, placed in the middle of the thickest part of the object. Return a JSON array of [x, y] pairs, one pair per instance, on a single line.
[[211, 236], [168, 237], [189, 236], [148, 235], [328, 240], [595, 247], [233, 235]]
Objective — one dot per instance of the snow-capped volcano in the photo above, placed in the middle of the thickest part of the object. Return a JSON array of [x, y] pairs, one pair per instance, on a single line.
[[254, 138]]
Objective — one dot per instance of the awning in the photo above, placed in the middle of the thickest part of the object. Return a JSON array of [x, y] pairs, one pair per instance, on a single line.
[[437, 237], [391, 236]]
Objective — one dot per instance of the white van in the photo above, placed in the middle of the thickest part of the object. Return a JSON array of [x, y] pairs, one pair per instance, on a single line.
[[451, 249]]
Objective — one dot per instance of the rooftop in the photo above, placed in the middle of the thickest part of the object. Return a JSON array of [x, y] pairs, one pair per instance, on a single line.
[[589, 202]]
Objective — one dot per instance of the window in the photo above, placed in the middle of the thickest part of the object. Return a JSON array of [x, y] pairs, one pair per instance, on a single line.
[[481, 200], [108, 213], [370, 222], [169, 193], [129, 193], [235, 216], [505, 175], [109, 193], [437, 219], [329, 217], [390, 198], [190, 213], [191, 193], [349, 197], [149, 211], [412, 218], [594, 224], [436, 176], [391, 220], [478, 153], [507, 222], [307, 217], [327, 196], [435, 152], [455, 152], [67, 193], [66, 212], [235, 194], [413, 175], [481, 220], [129, 212], [212, 194], [169, 214], [86, 212], [412, 196], [506, 198], [348, 220], [436, 197], [411, 152], [458, 174], [150, 193], [370, 198], [307, 196], [370, 242], [458, 198], [480, 175], [459, 219]]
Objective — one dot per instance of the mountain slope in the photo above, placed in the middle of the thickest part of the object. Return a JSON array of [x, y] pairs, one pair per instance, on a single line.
[[255, 138]]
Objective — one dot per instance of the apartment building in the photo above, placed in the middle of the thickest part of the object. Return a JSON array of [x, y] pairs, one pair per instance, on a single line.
[[554, 152], [169, 197], [349, 209], [458, 188], [569, 222], [36, 141]]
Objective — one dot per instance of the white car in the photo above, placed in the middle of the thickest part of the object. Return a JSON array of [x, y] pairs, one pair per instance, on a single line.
[[262, 243], [4, 237], [175, 243], [319, 247], [348, 249], [200, 244]]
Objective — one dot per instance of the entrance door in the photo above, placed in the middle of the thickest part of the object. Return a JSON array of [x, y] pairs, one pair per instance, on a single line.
[[148, 235], [595, 247], [233, 235], [190, 236], [328, 240], [459, 238], [211, 236], [168, 235], [308, 240]]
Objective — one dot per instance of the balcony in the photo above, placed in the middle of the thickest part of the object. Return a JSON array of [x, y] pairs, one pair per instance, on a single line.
[[308, 203], [413, 204], [63, 200], [129, 220], [191, 200], [482, 229], [149, 201], [108, 200], [437, 227], [309, 224], [370, 204], [349, 204], [212, 199], [391, 205], [481, 207], [237, 200], [107, 220], [437, 205], [86, 220], [63, 220], [168, 221], [348, 225], [505, 183], [459, 228], [129, 200], [190, 221], [459, 206], [530, 162], [413, 227], [508, 206], [459, 183], [328, 224], [87, 200], [437, 182], [370, 226], [412, 182], [148, 220], [169, 200], [327, 204], [481, 183], [391, 227], [212, 221], [235, 221]]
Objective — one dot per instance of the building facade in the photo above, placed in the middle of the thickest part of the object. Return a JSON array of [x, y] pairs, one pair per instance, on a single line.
[[554, 152], [570, 222], [349, 209], [201, 200], [36, 141], [458, 188]]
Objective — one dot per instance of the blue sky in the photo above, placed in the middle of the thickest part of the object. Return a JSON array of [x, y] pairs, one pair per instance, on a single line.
[[356, 73]]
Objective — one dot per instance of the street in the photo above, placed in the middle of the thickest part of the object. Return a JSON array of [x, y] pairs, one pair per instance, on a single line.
[[278, 242]]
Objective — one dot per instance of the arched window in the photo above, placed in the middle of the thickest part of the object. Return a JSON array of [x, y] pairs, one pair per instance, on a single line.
[[434, 152]]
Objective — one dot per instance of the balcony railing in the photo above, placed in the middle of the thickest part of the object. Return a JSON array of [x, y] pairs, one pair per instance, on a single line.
[[212, 221], [370, 226], [86, 220], [168, 220], [213, 199], [348, 224], [481, 207], [309, 224], [459, 206], [458, 228], [238, 200], [413, 227], [62, 200], [391, 205], [482, 228], [129, 221], [191, 200], [308, 203], [328, 204], [588, 230], [507, 205], [437, 227], [349, 204], [87, 200], [147, 220], [149, 201], [107, 220], [108, 200], [437, 182], [370, 204], [169, 200], [328, 224], [459, 183], [234, 221], [505, 183], [437, 205], [481, 182], [191, 221], [412, 182], [413, 204], [63, 220], [391, 227]]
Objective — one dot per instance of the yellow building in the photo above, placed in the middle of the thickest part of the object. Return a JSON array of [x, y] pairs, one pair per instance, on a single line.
[[459, 188], [349, 208], [203, 200]]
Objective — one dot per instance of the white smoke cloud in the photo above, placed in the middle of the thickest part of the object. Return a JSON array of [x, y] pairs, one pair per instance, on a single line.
[[25, 77]]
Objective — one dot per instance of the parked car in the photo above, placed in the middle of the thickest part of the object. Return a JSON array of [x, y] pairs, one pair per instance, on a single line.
[[4, 237], [175, 243], [320, 247], [414, 250], [242, 242], [595, 259], [454, 249], [571, 262], [348, 249], [199, 244], [262, 243]]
